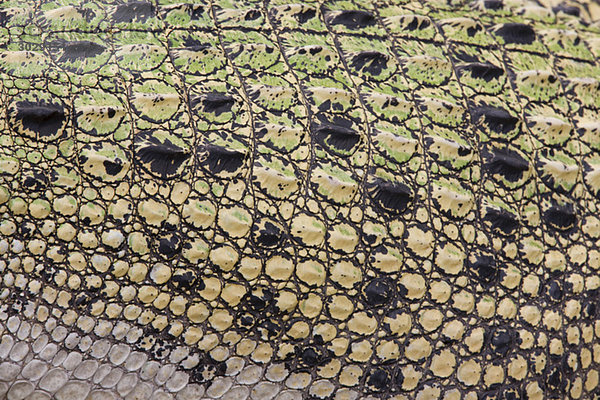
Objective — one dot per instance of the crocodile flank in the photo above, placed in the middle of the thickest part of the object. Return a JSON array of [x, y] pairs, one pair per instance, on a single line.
[[326, 200]]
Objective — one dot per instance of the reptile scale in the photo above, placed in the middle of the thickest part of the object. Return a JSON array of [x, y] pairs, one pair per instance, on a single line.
[[343, 200]]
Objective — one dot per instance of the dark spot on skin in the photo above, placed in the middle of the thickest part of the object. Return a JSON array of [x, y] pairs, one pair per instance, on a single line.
[[561, 218], [325, 106], [195, 11], [246, 321], [221, 159], [399, 378], [310, 356], [35, 182], [111, 112], [87, 13], [184, 281], [472, 30], [259, 299], [589, 310], [163, 158], [477, 70], [306, 15], [215, 103], [268, 235], [555, 379], [80, 301], [418, 23], [315, 50], [328, 119], [26, 230], [169, 246], [566, 9], [496, 119], [138, 11], [43, 118], [270, 329], [555, 292], [47, 271], [392, 197], [170, 226], [353, 19], [402, 290], [516, 33], [314, 354], [464, 151], [464, 56], [200, 285], [510, 394], [389, 102], [501, 342], [191, 43], [369, 239], [502, 221], [252, 15], [112, 167], [493, 4], [484, 269], [86, 221], [337, 139], [372, 62], [379, 379], [378, 292], [509, 164], [568, 369], [80, 50], [4, 18]]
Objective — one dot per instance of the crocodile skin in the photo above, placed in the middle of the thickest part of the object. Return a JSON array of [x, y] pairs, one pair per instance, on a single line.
[[329, 200]]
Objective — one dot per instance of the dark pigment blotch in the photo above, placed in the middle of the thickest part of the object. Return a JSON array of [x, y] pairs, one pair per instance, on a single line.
[[484, 71], [379, 380], [164, 158], [43, 118], [353, 19], [220, 159], [561, 218], [306, 15], [502, 221], [484, 269], [516, 33], [337, 139], [493, 4], [268, 235], [496, 119], [501, 342], [372, 62], [566, 9], [418, 23], [215, 103], [509, 164], [392, 197], [378, 292], [169, 246], [80, 50], [138, 11]]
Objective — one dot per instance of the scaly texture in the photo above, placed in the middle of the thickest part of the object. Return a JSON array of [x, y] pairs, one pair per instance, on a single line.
[[343, 199]]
